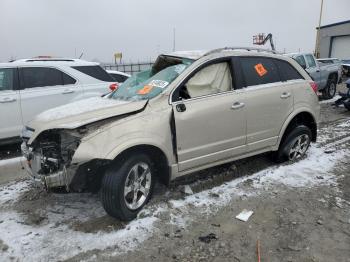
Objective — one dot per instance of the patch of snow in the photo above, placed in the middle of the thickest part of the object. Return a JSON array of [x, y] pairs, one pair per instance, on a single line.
[[79, 107], [11, 161], [330, 100], [11, 191], [51, 243]]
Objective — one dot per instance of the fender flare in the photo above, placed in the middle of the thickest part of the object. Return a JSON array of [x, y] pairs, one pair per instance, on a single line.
[[303, 109], [144, 141]]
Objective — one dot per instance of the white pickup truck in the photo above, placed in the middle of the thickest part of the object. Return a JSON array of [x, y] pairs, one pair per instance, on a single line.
[[31, 86], [327, 76]]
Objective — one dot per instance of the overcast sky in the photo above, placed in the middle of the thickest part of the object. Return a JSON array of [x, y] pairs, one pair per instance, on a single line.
[[142, 28]]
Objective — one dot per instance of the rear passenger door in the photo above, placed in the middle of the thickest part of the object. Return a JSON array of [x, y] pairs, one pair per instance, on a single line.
[[269, 101], [43, 88], [10, 113]]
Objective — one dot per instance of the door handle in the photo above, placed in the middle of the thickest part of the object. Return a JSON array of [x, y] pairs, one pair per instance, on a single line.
[[285, 95], [7, 100], [237, 105], [68, 91]]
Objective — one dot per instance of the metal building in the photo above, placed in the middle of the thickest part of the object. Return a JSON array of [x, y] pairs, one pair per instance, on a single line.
[[335, 40]]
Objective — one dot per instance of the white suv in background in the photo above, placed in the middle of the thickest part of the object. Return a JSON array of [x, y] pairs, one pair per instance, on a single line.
[[31, 86]]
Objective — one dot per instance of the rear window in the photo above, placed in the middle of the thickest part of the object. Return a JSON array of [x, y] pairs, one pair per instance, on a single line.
[[118, 78], [288, 72], [96, 72], [259, 70]]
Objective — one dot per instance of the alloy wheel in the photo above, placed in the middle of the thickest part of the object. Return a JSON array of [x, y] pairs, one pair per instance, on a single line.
[[137, 185]]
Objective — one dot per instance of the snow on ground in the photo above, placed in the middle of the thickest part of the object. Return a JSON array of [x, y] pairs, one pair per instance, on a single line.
[[330, 100], [11, 161], [55, 240]]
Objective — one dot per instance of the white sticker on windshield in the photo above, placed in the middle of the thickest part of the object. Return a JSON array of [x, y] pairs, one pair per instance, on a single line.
[[179, 68], [158, 83]]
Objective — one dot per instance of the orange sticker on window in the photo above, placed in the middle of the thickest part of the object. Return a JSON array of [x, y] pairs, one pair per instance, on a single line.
[[260, 69], [145, 90]]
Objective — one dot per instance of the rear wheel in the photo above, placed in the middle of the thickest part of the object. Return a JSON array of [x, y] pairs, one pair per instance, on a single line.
[[127, 187], [331, 89], [294, 145]]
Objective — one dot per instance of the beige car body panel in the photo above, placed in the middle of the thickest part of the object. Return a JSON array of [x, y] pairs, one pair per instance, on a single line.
[[208, 133]]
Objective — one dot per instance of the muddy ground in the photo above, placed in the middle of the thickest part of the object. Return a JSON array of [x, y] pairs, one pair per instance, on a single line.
[[301, 213]]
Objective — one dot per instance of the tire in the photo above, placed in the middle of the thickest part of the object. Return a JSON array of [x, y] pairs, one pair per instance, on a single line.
[[120, 178], [331, 89], [288, 143], [347, 105]]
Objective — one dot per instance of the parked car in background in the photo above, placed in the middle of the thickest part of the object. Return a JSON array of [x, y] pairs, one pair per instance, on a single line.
[[190, 111], [327, 76], [31, 86], [334, 61], [346, 67], [118, 76]]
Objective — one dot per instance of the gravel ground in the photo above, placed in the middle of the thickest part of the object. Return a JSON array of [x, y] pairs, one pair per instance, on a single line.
[[301, 213]]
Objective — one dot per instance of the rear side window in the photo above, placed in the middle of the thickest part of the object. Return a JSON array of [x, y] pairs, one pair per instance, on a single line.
[[310, 60], [67, 80], [41, 76], [301, 61], [287, 71], [95, 72], [6, 79], [119, 78], [259, 70]]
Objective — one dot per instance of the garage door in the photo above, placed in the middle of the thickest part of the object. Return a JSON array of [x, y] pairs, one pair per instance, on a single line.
[[341, 47]]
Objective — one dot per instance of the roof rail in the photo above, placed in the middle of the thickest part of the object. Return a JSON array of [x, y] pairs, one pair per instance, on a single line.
[[218, 50], [49, 60]]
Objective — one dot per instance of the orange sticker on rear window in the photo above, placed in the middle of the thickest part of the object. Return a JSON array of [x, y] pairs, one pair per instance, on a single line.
[[145, 90], [260, 69]]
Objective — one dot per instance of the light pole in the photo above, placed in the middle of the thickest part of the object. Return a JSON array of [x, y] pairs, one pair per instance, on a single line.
[[317, 48]]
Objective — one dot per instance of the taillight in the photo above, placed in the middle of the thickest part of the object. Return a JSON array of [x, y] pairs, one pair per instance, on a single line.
[[113, 87], [314, 87]]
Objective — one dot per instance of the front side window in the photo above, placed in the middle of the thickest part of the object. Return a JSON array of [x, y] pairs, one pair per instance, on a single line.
[[259, 71], [6, 79], [310, 60], [150, 83], [212, 79], [95, 71], [41, 76], [301, 61]]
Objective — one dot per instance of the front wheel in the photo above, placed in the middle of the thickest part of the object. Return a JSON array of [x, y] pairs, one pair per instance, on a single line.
[[128, 186], [295, 144]]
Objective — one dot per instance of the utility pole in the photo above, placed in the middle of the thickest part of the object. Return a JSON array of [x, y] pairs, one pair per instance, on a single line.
[[317, 47], [174, 37]]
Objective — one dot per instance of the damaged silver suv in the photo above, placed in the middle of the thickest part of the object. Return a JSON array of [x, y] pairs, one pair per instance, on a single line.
[[190, 111]]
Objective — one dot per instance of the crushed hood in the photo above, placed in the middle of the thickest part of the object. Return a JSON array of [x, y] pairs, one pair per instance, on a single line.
[[83, 112]]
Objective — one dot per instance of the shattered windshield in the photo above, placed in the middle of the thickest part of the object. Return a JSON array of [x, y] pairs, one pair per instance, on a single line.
[[150, 83]]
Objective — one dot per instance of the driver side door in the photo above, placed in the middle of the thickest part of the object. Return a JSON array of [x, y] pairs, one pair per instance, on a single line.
[[209, 117]]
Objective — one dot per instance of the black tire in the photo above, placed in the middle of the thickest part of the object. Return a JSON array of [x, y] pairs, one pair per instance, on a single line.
[[331, 89], [283, 152], [347, 105], [113, 184]]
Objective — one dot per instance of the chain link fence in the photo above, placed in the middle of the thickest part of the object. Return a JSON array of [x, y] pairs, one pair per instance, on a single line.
[[130, 68]]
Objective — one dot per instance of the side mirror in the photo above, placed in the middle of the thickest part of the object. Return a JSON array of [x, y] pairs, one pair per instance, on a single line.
[[303, 66]]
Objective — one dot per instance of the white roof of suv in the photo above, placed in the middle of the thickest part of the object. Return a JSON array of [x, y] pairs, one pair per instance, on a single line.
[[47, 61]]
